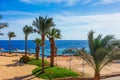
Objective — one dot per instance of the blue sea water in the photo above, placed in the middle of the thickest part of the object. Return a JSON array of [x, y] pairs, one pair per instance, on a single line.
[[60, 44]]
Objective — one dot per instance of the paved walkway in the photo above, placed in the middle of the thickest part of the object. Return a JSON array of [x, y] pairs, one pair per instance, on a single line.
[[113, 78], [11, 69]]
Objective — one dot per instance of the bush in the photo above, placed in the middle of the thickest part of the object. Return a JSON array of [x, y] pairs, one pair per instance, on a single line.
[[24, 59]]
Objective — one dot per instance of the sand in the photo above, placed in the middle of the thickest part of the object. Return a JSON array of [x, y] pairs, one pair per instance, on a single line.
[[11, 69], [78, 65]]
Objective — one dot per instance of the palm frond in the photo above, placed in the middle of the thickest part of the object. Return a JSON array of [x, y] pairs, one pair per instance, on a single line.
[[38, 41], [87, 57], [11, 34], [106, 39], [27, 30], [43, 24], [100, 53], [2, 24], [91, 41], [54, 33]]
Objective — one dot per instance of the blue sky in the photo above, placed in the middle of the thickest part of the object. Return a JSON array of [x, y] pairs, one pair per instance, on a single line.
[[75, 18]]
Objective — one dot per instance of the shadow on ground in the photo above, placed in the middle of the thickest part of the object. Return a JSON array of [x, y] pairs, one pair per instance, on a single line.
[[16, 63], [26, 77]]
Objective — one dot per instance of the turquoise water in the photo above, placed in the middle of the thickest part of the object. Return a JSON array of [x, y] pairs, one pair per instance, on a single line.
[[60, 44]]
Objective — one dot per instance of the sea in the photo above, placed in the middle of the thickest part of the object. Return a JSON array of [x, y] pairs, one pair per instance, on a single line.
[[18, 45]]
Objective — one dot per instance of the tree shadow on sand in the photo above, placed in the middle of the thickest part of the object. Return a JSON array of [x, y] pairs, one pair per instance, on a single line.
[[16, 63], [26, 77]]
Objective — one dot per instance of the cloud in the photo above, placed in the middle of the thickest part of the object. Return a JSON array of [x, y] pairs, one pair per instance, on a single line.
[[26, 1], [64, 2], [75, 26], [13, 12], [72, 2], [110, 1], [105, 2]]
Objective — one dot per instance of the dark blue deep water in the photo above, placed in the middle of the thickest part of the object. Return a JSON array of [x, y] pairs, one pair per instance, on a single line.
[[61, 45]]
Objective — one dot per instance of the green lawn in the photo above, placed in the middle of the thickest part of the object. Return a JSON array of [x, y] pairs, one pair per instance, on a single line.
[[33, 61], [50, 72], [54, 72]]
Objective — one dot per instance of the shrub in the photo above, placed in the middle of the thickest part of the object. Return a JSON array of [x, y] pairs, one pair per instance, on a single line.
[[24, 59]]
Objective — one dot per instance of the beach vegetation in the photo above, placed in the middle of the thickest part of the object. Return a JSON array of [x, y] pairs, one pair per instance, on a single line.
[[100, 53], [27, 30], [38, 43], [42, 25], [54, 72], [10, 35], [2, 25], [33, 61], [52, 35], [24, 59]]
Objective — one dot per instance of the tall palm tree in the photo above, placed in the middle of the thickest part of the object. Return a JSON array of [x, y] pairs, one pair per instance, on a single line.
[[38, 44], [100, 55], [27, 30], [42, 25], [2, 25], [10, 35], [53, 34]]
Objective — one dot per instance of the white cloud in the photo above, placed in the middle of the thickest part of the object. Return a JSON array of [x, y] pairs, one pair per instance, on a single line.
[[106, 2], [12, 12], [110, 1], [27, 1], [64, 2], [72, 2], [75, 26]]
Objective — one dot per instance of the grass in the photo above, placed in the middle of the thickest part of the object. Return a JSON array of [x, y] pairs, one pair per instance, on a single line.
[[33, 61], [50, 72], [54, 72]]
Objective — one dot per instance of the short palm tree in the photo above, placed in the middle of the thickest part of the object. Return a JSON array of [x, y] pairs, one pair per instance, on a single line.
[[2, 25], [42, 25], [27, 30], [10, 35], [38, 43], [100, 55], [52, 35]]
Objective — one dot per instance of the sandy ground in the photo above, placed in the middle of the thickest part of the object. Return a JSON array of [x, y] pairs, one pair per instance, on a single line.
[[11, 69], [78, 65]]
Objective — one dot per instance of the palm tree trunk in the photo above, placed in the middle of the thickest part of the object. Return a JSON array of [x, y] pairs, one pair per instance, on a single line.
[[9, 45], [43, 39], [25, 45], [97, 76], [52, 45], [37, 52]]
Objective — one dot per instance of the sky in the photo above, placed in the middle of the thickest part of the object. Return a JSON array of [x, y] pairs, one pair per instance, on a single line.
[[75, 18]]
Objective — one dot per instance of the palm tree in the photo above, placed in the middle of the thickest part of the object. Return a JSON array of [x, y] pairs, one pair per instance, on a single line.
[[27, 30], [2, 25], [100, 55], [38, 44], [42, 26], [53, 34], [10, 35]]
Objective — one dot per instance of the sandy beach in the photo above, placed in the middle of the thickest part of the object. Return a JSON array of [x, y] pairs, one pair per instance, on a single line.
[[77, 65], [11, 69]]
